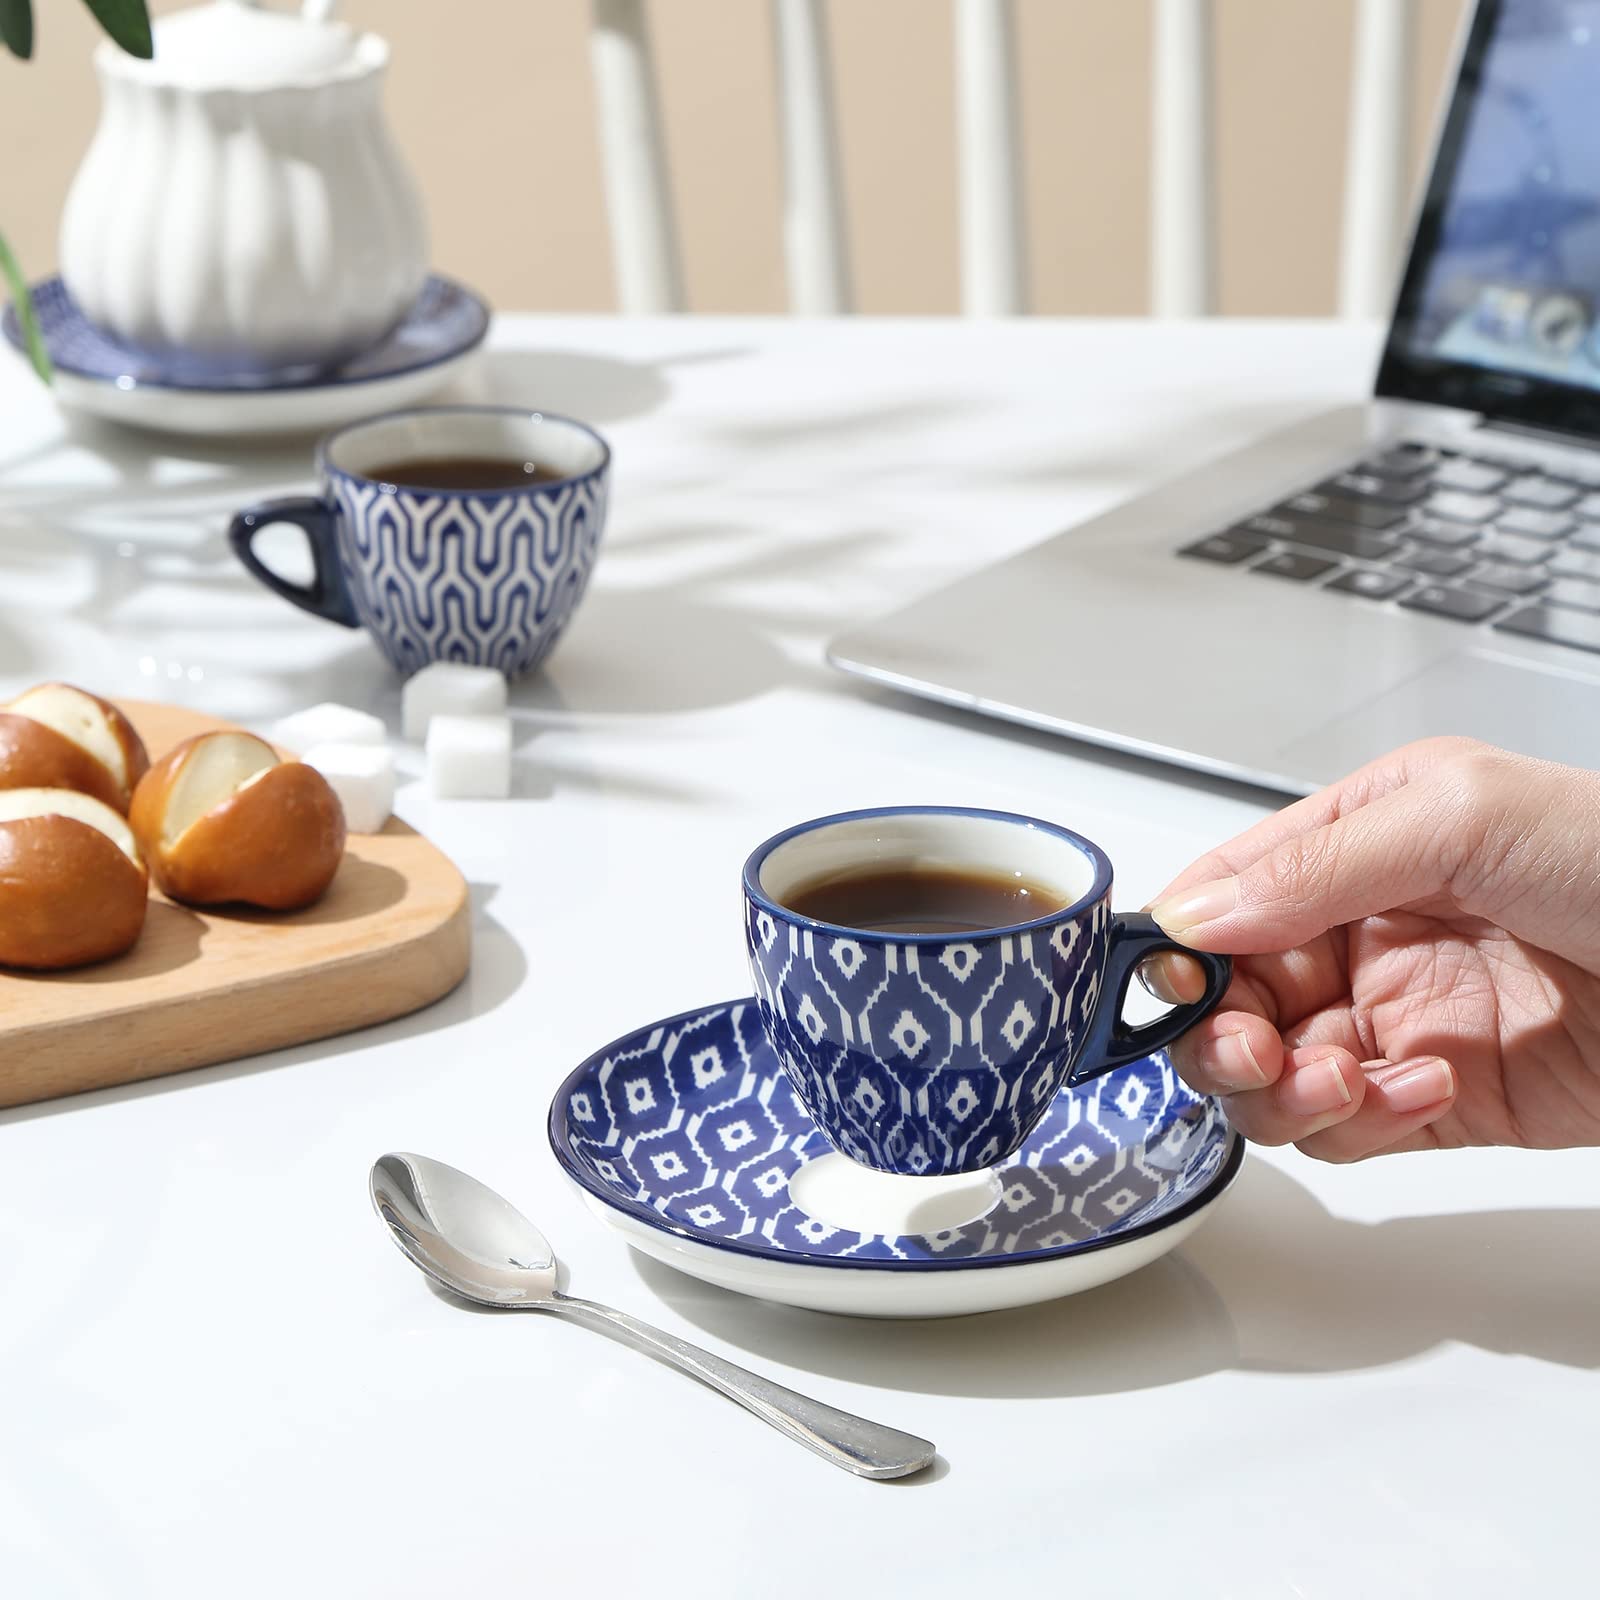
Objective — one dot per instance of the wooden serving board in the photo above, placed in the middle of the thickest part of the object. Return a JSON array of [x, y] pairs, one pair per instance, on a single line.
[[392, 934]]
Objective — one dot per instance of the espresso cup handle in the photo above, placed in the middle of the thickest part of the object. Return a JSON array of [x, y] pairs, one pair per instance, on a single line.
[[326, 595], [1111, 1042]]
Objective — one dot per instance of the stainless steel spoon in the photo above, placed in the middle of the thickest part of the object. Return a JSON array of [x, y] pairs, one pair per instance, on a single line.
[[479, 1246]]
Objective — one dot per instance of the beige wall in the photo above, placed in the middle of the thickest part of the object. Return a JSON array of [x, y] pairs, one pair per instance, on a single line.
[[491, 100]]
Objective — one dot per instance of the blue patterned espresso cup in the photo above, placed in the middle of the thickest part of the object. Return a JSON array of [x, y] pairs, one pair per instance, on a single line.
[[486, 576], [930, 1054]]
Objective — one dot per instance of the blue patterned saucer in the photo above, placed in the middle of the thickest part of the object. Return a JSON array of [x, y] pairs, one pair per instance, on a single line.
[[97, 373], [686, 1137]]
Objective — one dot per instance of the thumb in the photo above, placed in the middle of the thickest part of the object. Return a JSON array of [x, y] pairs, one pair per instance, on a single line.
[[1376, 859]]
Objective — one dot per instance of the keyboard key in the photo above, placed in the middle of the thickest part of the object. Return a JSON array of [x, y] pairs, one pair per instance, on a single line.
[[1536, 491], [1575, 564], [1536, 524], [1589, 507], [1291, 564], [1508, 580], [1573, 592], [1370, 582], [1332, 508], [1507, 547], [1307, 531], [1226, 548], [1461, 605], [1474, 477], [1587, 537], [1452, 535], [1576, 628], [1434, 563], [1403, 460], [1458, 507], [1373, 486]]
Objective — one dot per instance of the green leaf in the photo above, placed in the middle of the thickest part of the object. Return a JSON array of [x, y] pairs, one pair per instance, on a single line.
[[128, 22], [16, 27], [31, 337]]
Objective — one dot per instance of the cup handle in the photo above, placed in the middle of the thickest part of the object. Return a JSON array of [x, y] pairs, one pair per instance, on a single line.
[[326, 595], [1111, 1042]]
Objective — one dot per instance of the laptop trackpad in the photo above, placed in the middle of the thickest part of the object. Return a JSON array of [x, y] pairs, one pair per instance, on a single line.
[[1516, 707]]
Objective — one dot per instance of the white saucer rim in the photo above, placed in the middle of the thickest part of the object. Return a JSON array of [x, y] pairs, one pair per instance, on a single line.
[[455, 352], [561, 1148], [889, 1296], [269, 414]]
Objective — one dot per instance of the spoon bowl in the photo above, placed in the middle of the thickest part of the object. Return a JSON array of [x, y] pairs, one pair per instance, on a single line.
[[462, 1234]]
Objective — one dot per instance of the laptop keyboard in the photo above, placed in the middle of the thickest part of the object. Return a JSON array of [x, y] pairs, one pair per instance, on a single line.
[[1475, 538]]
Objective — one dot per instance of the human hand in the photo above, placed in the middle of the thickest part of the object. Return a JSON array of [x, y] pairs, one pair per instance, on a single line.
[[1417, 959]]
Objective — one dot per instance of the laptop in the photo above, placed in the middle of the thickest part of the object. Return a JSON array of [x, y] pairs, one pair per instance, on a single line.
[[1427, 562]]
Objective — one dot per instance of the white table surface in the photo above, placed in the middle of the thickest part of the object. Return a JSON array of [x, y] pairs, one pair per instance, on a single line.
[[217, 1375]]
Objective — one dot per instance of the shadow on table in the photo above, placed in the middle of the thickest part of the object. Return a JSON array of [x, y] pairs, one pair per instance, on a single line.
[[1272, 1283], [1181, 441], [592, 388], [136, 512], [710, 639], [637, 646], [134, 452], [138, 524], [652, 653], [845, 421], [497, 971]]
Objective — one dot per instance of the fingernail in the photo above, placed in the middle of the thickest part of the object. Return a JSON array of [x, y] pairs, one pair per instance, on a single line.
[[1314, 1089], [1204, 903], [1231, 1063], [1156, 980], [1172, 979], [1419, 1084]]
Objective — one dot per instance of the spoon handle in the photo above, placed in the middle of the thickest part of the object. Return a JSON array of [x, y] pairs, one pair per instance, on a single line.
[[865, 1448]]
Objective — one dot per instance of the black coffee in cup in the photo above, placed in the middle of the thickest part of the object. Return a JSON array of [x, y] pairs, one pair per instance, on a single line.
[[924, 899]]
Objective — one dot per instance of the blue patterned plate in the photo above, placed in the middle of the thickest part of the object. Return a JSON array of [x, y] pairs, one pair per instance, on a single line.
[[97, 373], [686, 1137]]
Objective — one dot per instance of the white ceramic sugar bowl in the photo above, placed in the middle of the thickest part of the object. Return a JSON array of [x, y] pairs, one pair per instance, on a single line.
[[242, 203]]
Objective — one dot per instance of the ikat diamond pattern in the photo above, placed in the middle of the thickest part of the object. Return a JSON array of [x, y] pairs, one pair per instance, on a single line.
[[693, 1124], [922, 1057]]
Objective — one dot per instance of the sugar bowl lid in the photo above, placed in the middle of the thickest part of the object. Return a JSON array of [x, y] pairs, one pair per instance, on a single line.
[[240, 44]]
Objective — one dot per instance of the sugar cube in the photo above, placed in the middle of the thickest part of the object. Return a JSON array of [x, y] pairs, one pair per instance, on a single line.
[[362, 775], [448, 688], [328, 723], [469, 757]]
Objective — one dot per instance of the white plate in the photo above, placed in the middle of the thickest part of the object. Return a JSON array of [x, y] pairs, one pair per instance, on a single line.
[[211, 415], [433, 344]]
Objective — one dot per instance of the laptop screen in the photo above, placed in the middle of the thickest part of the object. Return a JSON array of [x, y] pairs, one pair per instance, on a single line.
[[1499, 311]]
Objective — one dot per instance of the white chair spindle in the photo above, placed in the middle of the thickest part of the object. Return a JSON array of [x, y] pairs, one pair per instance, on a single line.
[[1377, 156], [993, 274], [644, 243], [1182, 276], [813, 205]]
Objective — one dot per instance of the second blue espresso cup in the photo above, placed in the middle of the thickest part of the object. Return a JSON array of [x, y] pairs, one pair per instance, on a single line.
[[935, 1053], [441, 569]]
